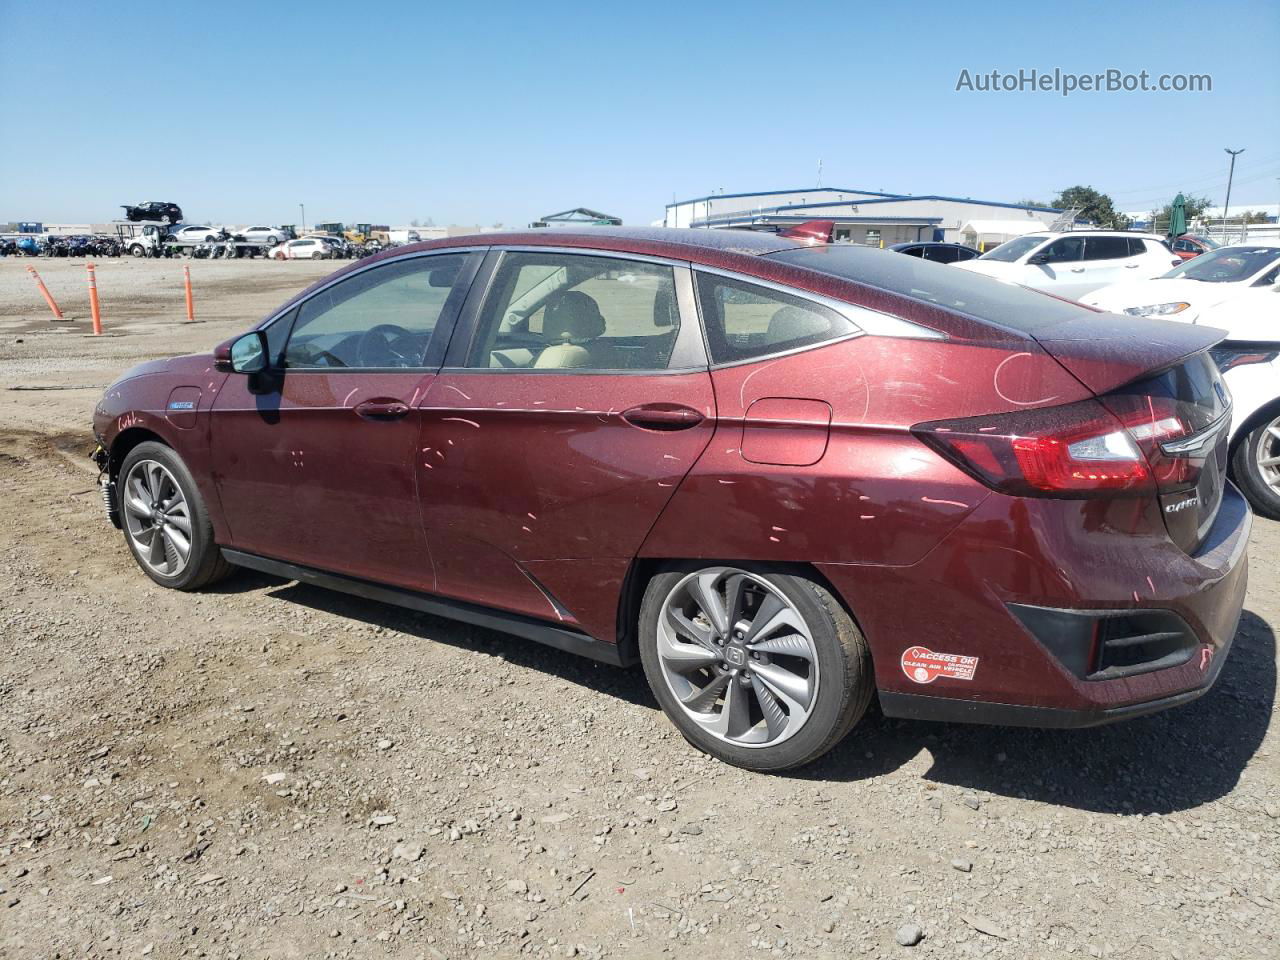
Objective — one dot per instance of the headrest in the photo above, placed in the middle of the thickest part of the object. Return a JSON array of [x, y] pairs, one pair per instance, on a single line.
[[794, 323], [572, 317]]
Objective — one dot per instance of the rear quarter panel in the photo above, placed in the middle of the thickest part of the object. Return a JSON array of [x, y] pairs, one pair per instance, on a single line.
[[877, 495]]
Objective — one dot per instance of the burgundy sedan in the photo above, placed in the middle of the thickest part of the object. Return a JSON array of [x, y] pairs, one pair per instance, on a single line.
[[784, 478]]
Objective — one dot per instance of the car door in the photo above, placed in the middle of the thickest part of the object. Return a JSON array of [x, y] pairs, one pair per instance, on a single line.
[[574, 399], [316, 456], [1110, 260], [1058, 268]]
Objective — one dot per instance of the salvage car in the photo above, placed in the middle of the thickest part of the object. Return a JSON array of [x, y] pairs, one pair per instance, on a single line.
[[162, 211], [1194, 285], [1188, 247], [1073, 264], [304, 248], [784, 478]]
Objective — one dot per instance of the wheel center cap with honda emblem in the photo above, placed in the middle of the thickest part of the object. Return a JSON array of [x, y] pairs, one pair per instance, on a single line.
[[735, 655]]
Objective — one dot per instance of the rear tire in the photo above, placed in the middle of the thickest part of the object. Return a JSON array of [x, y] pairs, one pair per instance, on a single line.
[[1254, 471], [795, 666], [160, 509]]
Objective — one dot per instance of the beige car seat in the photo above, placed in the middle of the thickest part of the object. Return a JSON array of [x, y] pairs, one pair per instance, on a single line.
[[571, 322]]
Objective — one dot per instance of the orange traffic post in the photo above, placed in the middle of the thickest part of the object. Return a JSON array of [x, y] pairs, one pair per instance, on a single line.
[[94, 308], [191, 304], [48, 297]]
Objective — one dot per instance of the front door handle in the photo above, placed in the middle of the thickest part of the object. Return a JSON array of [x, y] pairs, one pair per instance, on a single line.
[[1077, 269], [662, 416], [382, 408], [1132, 266]]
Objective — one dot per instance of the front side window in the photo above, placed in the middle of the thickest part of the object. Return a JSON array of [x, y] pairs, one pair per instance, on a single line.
[[380, 318], [744, 320], [1066, 250], [554, 311]]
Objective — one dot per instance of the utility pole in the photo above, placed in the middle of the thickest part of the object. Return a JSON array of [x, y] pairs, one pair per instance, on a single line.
[[1230, 175], [302, 209]]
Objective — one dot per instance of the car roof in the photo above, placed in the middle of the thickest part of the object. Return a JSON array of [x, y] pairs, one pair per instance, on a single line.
[[677, 243]]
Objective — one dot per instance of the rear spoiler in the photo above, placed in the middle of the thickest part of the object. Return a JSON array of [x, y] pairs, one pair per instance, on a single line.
[[811, 231]]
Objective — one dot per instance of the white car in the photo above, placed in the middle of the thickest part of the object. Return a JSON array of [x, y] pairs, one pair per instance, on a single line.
[[269, 236], [191, 233], [304, 248], [1072, 264], [1194, 285], [1249, 359]]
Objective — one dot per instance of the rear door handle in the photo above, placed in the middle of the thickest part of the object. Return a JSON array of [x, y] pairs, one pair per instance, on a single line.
[[662, 416], [382, 408], [1132, 266]]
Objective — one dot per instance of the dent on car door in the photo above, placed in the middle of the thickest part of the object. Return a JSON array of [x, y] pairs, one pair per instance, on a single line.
[[564, 419], [316, 456]]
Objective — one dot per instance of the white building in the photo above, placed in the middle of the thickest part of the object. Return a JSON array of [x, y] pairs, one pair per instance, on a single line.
[[860, 216]]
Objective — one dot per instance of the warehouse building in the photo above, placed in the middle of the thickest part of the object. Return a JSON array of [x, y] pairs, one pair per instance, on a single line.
[[864, 216]]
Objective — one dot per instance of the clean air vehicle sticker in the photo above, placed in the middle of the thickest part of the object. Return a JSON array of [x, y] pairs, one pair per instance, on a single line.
[[922, 665]]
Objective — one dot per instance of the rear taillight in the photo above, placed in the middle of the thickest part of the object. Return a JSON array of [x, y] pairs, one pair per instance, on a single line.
[[1076, 450], [1154, 435]]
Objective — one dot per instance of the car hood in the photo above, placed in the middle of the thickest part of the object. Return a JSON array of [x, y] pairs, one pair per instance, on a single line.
[[192, 364], [1141, 293], [1253, 316]]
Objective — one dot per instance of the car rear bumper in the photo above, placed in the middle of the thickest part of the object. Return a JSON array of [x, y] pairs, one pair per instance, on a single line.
[[982, 664]]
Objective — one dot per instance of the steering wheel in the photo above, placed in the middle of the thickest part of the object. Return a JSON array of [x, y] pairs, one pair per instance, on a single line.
[[383, 335]]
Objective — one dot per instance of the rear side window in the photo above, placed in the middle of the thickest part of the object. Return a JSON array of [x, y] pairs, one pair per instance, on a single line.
[[1107, 248], [744, 320]]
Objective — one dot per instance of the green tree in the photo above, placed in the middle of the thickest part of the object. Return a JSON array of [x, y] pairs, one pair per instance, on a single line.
[[1033, 203], [1093, 205], [1257, 216]]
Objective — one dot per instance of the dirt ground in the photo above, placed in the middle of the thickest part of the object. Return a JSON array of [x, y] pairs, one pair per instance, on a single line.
[[270, 770]]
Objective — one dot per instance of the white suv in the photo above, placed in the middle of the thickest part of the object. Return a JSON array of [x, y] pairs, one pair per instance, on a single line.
[[1072, 264]]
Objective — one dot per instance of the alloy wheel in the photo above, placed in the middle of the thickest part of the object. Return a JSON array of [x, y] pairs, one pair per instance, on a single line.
[[738, 657], [1269, 455], [157, 518]]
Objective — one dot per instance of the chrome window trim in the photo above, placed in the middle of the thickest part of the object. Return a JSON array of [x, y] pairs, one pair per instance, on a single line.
[[874, 323]]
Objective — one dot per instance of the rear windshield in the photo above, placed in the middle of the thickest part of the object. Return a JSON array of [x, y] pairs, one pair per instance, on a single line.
[[1007, 304]]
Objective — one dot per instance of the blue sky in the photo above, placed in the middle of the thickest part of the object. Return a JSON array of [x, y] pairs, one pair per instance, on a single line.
[[497, 112]]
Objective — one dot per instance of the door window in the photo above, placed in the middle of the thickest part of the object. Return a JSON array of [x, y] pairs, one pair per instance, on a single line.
[[553, 311], [1065, 250], [744, 320], [378, 318], [914, 252], [940, 254], [1107, 248]]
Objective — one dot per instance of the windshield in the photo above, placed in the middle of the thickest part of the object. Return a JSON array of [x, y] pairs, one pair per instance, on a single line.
[[1226, 264], [986, 298], [1013, 249]]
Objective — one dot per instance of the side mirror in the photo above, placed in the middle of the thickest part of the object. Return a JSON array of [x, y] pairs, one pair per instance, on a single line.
[[1038, 259], [245, 354]]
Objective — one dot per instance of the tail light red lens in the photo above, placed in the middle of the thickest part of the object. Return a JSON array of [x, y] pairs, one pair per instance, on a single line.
[[1076, 450]]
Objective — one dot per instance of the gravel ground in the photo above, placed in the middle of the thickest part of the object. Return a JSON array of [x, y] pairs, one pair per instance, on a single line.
[[271, 770]]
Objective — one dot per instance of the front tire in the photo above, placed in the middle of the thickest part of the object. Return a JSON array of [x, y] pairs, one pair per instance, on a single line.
[[1256, 466], [762, 669], [166, 525]]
